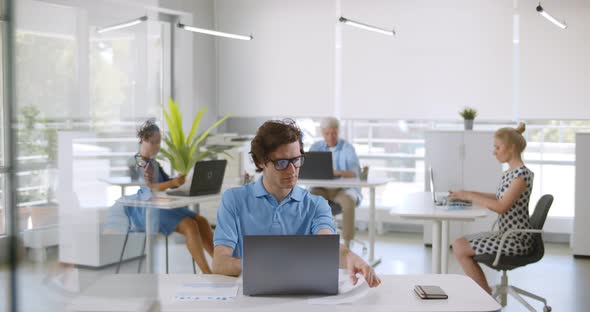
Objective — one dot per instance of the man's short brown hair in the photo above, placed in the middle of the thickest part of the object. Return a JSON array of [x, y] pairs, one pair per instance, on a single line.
[[270, 136]]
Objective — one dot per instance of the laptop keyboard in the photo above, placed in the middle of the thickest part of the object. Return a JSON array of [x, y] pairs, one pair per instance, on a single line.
[[445, 201], [457, 202]]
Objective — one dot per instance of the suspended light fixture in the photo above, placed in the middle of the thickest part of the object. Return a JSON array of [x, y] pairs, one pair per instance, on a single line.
[[122, 25], [550, 18], [214, 32], [367, 27]]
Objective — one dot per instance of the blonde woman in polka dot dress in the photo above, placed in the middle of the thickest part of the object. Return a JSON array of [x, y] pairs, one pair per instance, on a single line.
[[511, 203]]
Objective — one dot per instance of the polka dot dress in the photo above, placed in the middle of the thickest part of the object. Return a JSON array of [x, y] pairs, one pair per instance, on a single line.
[[517, 217]]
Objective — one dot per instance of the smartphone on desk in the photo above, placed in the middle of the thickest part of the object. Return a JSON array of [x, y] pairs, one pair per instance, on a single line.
[[430, 292]]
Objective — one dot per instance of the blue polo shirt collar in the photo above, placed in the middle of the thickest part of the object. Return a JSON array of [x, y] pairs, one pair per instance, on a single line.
[[259, 191], [297, 194]]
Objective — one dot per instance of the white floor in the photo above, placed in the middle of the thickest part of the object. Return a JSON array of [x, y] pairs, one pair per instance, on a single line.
[[559, 277]]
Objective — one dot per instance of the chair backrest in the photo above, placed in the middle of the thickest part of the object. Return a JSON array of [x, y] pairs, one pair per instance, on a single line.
[[512, 262], [335, 207], [541, 210]]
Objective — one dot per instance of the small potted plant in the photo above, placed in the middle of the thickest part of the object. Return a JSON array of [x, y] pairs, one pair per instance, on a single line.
[[468, 115]]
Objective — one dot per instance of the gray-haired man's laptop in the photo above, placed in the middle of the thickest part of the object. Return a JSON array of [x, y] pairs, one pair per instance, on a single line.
[[207, 178], [317, 166], [290, 265], [444, 200]]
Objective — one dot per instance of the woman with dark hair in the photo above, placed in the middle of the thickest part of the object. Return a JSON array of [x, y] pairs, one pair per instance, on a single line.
[[195, 229]]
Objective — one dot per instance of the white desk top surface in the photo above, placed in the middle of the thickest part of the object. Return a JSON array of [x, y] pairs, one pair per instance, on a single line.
[[121, 181], [420, 206], [394, 294], [165, 201]]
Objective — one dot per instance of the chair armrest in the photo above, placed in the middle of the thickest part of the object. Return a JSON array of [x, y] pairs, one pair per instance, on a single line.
[[505, 236], [494, 224]]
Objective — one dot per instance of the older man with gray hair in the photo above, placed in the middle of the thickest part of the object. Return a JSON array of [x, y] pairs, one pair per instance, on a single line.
[[346, 164]]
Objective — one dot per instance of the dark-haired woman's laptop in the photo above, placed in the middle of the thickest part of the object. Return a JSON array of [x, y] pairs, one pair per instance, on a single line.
[[290, 265], [207, 178], [317, 166]]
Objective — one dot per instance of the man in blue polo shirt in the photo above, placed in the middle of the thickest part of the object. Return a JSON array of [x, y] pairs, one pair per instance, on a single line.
[[273, 205]]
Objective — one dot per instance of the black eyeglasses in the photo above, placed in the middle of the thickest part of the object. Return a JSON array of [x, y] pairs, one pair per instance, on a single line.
[[141, 161], [282, 164]]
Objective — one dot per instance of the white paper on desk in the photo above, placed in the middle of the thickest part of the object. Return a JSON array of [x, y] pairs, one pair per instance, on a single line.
[[96, 304], [200, 291], [347, 293]]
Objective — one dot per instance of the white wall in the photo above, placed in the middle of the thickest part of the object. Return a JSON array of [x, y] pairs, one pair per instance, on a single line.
[[555, 63], [445, 56], [288, 69], [195, 82]]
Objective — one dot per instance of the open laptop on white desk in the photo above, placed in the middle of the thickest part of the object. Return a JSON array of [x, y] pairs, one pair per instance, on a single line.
[[207, 179], [318, 166], [444, 200], [290, 265]]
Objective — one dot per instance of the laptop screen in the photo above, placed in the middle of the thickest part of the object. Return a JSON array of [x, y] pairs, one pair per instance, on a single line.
[[290, 264]]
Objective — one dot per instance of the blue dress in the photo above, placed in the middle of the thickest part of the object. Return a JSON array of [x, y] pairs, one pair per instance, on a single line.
[[164, 221]]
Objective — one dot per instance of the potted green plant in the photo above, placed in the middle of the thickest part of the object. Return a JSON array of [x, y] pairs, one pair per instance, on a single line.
[[468, 115], [184, 151]]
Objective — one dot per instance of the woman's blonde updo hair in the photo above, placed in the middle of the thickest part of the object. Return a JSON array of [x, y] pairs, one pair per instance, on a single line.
[[514, 136]]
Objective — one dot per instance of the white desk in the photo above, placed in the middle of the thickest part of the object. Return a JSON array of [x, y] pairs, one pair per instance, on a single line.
[[352, 183], [419, 206], [169, 202], [394, 294], [122, 182]]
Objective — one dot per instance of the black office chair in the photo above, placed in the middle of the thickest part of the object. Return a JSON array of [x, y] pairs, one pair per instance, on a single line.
[[507, 263], [129, 230], [336, 210]]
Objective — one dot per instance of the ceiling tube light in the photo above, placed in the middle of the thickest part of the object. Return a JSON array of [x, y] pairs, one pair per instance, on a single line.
[[214, 32], [367, 27], [122, 25], [550, 18]]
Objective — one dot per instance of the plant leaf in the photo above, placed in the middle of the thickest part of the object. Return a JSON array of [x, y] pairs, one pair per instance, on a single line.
[[175, 158], [171, 125], [170, 158], [198, 157], [195, 125], [178, 119], [204, 134], [182, 151]]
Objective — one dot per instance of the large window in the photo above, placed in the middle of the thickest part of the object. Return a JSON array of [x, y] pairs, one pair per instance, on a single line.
[[551, 155], [47, 87], [395, 150], [68, 79]]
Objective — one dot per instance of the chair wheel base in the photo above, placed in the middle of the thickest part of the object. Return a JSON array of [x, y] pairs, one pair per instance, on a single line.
[[546, 309]]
